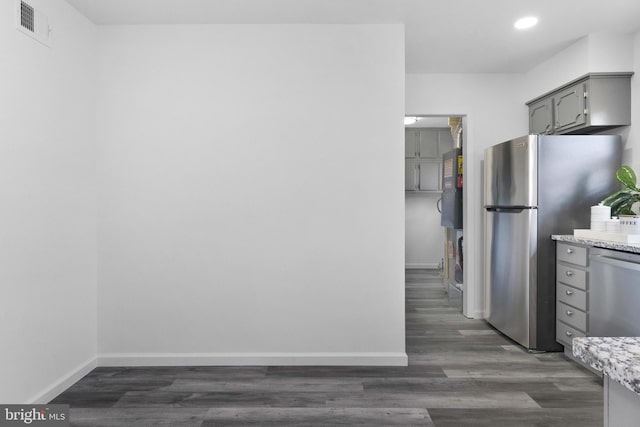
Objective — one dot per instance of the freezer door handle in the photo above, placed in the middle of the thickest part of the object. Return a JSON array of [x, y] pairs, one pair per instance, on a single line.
[[510, 209]]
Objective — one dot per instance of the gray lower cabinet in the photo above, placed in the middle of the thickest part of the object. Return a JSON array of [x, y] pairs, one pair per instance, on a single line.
[[410, 174], [422, 175], [621, 405], [423, 157], [597, 291], [572, 292], [429, 174], [591, 103]]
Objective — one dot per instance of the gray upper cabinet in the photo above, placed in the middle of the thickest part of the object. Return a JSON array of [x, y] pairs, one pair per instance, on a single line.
[[445, 142], [411, 138], [541, 116], [423, 157], [569, 107], [429, 144], [591, 103]]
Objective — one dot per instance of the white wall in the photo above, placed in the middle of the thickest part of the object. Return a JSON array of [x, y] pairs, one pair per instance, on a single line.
[[563, 67], [424, 237], [610, 52], [494, 113], [251, 194], [47, 220], [632, 147], [599, 52]]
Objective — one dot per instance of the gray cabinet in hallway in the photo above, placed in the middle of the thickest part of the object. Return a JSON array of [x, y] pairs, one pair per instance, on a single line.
[[423, 157]]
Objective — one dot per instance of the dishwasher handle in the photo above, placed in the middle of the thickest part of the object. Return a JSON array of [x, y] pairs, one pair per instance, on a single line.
[[631, 265]]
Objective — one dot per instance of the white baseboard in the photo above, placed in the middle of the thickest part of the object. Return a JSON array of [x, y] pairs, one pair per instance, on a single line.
[[253, 359], [64, 382], [427, 265], [477, 314], [218, 359]]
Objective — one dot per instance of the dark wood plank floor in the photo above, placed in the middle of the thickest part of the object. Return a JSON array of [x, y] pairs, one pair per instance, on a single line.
[[461, 373]]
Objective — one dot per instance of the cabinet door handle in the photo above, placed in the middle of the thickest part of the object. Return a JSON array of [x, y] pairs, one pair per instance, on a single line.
[[568, 333], [569, 292], [569, 251], [569, 273], [569, 312]]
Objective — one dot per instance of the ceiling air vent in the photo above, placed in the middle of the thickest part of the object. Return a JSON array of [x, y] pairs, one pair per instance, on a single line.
[[33, 22]]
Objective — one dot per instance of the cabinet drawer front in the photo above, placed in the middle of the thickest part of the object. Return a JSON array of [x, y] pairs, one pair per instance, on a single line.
[[571, 276], [572, 296], [573, 254], [565, 333], [571, 316]]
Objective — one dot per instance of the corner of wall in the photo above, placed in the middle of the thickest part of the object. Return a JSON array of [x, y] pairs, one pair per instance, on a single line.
[[64, 382]]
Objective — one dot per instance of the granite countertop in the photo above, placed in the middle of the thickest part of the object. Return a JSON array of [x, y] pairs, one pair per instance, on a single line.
[[597, 243], [616, 357]]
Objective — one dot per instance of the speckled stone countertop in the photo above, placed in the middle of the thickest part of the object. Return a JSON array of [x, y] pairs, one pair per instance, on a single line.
[[616, 357], [597, 243]]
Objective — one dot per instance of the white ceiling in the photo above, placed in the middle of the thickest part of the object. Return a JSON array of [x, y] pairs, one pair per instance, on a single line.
[[448, 36]]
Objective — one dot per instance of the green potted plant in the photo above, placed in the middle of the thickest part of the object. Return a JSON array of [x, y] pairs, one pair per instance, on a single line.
[[622, 202]]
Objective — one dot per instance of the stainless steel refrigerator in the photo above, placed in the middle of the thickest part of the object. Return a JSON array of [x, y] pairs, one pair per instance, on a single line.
[[536, 186]]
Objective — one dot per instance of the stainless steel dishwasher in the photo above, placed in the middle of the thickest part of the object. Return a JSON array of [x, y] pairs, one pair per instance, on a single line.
[[614, 294]]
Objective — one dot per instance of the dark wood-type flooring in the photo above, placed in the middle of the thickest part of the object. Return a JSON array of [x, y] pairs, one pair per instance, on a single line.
[[461, 373]]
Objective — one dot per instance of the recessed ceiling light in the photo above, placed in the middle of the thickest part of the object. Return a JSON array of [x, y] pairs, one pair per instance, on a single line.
[[524, 23]]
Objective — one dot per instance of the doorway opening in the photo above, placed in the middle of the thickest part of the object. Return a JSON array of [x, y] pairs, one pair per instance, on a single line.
[[434, 237]]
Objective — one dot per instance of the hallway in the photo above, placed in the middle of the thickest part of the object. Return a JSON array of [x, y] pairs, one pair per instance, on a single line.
[[461, 373]]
